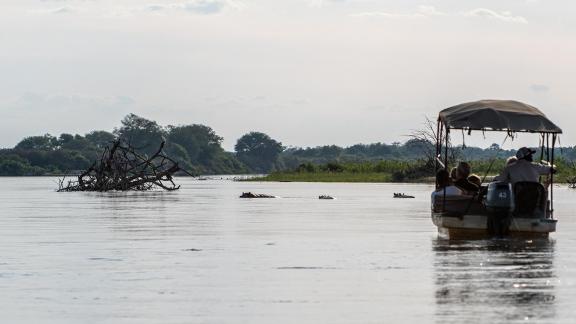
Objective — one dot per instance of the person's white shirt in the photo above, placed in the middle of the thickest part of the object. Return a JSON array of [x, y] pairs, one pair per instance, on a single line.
[[524, 170], [450, 191]]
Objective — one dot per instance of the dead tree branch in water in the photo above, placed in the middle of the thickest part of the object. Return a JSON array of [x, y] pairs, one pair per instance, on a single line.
[[122, 168], [425, 140]]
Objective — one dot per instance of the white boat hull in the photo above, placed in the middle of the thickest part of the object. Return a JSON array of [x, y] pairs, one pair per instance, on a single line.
[[473, 225]]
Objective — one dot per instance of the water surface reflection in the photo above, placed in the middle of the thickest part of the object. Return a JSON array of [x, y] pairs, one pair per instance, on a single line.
[[494, 281]]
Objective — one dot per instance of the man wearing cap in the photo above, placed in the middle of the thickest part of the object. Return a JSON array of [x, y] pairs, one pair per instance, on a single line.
[[524, 169]]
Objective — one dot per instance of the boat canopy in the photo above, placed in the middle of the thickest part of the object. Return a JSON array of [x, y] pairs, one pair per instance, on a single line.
[[497, 115]]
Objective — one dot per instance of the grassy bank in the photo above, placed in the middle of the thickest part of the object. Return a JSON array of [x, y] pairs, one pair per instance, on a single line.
[[391, 171], [379, 171], [325, 177]]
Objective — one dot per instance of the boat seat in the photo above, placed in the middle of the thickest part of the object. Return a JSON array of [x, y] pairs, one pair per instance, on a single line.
[[458, 205], [529, 199]]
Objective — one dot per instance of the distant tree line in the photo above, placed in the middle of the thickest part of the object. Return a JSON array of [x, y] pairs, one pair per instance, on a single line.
[[197, 148], [411, 150]]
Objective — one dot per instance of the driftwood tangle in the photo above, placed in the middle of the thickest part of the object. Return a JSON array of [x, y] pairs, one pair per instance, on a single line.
[[122, 168]]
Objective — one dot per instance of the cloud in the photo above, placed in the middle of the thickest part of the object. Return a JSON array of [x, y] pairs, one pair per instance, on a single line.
[[539, 88], [201, 7], [321, 3], [37, 113], [421, 12], [63, 10], [383, 14], [66, 1], [65, 103], [204, 7], [54, 11], [504, 16], [431, 11]]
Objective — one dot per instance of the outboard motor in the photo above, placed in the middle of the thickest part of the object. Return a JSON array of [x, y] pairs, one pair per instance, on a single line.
[[500, 203], [500, 197]]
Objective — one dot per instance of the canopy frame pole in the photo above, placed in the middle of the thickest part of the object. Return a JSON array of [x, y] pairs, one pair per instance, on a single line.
[[547, 147], [446, 164], [438, 139], [542, 136], [446, 147], [439, 155], [552, 178]]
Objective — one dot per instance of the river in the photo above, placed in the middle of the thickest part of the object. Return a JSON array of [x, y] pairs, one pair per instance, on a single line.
[[203, 255]]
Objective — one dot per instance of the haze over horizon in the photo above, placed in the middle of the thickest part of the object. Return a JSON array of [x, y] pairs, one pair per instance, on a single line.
[[306, 72]]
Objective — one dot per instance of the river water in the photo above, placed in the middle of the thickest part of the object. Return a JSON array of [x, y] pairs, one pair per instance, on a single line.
[[202, 255]]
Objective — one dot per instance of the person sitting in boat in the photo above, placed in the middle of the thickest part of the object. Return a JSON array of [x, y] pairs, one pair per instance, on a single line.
[[462, 182], [475, 179], [509, 161], [453, 176], [524, 169], [444, 183]]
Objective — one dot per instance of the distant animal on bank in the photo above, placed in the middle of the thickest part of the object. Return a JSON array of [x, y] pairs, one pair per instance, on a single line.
[[325, 197]]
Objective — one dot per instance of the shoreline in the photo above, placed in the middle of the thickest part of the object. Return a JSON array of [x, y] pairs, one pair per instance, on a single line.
[[293, 177], [352, 178]]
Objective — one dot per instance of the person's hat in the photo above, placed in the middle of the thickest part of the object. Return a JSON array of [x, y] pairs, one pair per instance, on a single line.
[[524, 152]]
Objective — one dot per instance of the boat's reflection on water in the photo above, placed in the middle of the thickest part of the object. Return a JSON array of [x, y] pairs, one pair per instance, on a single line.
[[494, 281]]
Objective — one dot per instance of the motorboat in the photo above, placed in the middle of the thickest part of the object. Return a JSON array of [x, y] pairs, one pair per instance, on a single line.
[[499, 208]]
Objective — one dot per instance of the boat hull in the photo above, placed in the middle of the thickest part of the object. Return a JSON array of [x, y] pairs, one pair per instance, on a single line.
[[472, 226]]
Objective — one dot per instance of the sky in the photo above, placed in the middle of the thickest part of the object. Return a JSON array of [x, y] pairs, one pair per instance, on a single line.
[[306, 72]]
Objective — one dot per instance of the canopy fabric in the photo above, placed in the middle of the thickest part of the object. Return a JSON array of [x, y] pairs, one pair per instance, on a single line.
[[499, 115]]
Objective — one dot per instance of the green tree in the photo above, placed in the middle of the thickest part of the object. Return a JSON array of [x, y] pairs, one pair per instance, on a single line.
[[143, 134], [419, 148], [74, 142], [201, 142], [331, 152], [14, 165], [258, 151], [100, 139], [45, 142], [12, 168]]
